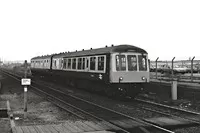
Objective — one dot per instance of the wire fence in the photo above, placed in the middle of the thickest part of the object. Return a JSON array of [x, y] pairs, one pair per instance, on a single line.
[[180, 70]]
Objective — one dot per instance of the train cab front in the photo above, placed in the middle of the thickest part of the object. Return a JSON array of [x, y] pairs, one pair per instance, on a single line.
[[129, 72]]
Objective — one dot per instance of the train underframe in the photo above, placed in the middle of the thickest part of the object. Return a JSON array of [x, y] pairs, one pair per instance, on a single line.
[[129, 90], [121, 90]]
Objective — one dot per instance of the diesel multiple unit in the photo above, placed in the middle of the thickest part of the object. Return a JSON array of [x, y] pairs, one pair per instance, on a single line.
[[117, 70]]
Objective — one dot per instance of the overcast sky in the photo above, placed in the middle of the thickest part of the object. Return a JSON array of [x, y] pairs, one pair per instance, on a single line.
[[165, 28]]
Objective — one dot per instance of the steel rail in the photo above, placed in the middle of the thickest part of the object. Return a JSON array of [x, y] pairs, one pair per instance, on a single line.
[[166, 106], [173, 114], [51, 100], [135, 119], [64, 102], [119, 113], [168, 114]]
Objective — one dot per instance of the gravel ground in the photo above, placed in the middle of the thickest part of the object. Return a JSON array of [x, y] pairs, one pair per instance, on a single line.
[[128, 108], [5, 125], [131, 108], [39, 111]]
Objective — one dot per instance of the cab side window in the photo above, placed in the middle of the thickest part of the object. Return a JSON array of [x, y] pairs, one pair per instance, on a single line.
[[142, 63]]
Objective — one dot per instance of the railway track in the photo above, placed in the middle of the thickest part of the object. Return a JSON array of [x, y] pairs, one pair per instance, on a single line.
[[193, 117], [182, 79], [122, 121]]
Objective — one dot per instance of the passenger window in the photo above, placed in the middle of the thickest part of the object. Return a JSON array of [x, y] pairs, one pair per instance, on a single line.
[[92, 63], [69, 64], [120, 62], [101, 63], [55, 63], [74, 63], [83, 65], [132, 62], [87, 65], [142, 63], [64, 63], [79, 63]]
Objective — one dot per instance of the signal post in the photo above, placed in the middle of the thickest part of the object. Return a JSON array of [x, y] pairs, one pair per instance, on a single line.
[[25, 82]]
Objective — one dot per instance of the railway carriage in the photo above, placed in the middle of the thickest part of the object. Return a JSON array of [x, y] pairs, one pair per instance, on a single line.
[[117, 70], [41, 65]]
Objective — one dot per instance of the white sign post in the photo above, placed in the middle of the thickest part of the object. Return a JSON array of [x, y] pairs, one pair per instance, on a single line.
[[25, 81]]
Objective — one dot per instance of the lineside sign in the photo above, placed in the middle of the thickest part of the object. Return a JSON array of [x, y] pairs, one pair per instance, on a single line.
[[26, 81]]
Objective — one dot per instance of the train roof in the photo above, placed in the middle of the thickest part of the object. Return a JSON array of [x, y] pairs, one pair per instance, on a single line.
[[42, 57], [98, 51]]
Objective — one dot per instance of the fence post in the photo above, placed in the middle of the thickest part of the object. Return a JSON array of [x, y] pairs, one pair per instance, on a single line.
[[173, 68], [192, 69], [156, 68], [174, 90]]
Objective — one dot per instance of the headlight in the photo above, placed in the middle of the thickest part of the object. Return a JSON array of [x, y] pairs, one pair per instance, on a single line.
[[143, 78]]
